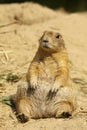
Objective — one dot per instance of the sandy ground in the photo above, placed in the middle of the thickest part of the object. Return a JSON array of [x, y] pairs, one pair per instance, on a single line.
[[18, 44]]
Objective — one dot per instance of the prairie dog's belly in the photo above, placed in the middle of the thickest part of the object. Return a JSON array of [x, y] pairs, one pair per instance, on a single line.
[[45, 83], [47, 73], [46, 77], [42, 105]]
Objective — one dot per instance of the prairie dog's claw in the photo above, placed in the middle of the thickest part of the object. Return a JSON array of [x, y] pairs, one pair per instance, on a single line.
[[33, 84]]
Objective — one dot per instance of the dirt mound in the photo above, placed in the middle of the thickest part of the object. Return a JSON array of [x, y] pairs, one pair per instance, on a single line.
[[27, 13], [18, 44]]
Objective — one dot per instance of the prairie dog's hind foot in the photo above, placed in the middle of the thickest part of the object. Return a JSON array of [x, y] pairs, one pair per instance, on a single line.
[[22, 102], [23, 110], [22, 118], [65, 110]]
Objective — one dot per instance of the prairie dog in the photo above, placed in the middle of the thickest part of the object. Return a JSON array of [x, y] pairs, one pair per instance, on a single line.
[[47, 91], [50, 63]]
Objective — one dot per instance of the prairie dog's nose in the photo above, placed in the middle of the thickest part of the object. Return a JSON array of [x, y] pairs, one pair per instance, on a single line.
[[45, 40], [45, 43]]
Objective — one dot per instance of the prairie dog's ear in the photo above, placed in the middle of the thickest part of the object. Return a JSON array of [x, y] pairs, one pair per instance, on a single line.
[[42, 35], [44, 32]]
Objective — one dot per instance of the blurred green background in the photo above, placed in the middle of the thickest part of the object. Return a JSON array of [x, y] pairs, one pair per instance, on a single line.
[[69, 5]]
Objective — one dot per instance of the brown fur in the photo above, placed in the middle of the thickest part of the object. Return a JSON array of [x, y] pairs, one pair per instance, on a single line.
[[47, 91]]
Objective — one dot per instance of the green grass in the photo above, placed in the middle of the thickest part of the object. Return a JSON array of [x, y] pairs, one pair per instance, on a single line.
[[6, 100]]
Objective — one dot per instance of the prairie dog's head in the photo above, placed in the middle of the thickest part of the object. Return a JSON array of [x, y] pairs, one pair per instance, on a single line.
[[51, 41]]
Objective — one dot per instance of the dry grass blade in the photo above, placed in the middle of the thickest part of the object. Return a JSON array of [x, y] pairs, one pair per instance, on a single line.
[[1, 26], [3, 61], [6, 25], [79, 81], [7, 32], [5, 53], [1, 52]]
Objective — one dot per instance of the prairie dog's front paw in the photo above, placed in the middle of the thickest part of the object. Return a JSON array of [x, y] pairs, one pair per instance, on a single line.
[[33, 83], [55, 87], [53, 91]]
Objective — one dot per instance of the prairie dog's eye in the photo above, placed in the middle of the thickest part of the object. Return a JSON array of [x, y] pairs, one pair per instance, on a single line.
[[58, 36]]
